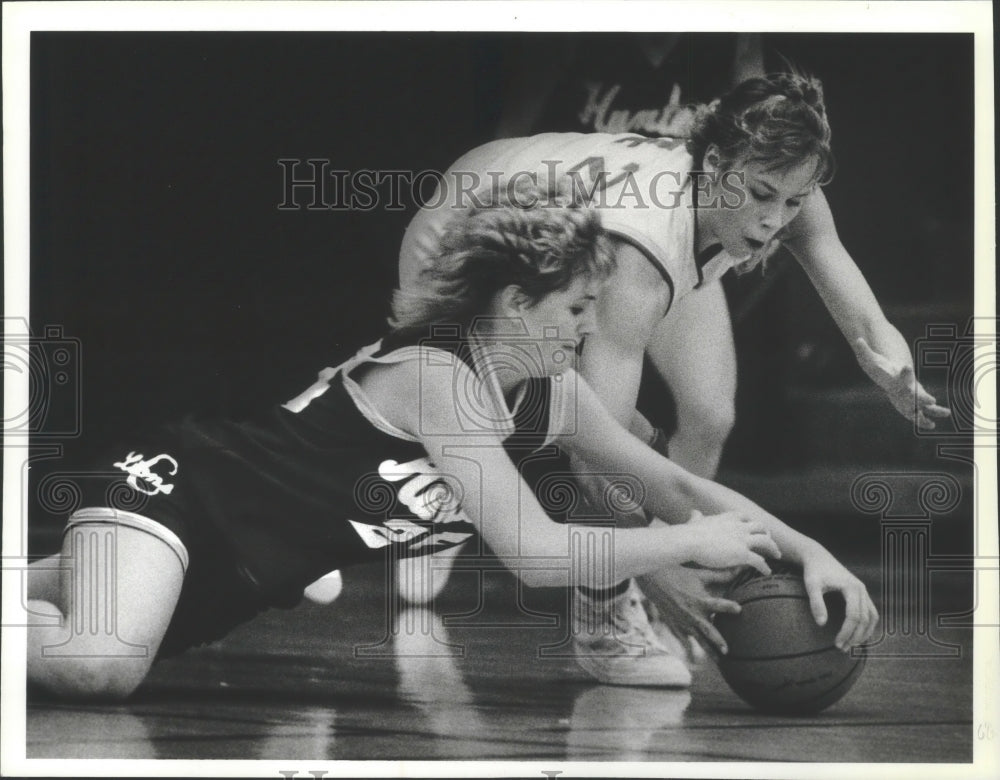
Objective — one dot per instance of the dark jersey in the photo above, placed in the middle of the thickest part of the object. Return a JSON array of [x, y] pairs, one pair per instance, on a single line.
[[319, 483]]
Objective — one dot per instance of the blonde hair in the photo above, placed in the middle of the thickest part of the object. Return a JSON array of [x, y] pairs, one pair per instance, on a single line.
[[538, 239]]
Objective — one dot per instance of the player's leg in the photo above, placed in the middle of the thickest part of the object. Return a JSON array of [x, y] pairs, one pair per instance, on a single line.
[[119, 578], [693, 351], [421, 578], [613, 637]]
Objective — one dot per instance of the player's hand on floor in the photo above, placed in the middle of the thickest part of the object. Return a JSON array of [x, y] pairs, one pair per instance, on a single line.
[[685, 601], [898, 381], [727, 539], [822, 573]]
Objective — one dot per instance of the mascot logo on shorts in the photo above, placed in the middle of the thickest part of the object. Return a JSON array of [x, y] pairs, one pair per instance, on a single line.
[[139, 469]]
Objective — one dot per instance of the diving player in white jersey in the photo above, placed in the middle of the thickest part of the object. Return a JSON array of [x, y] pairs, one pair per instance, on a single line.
[[681, 214]]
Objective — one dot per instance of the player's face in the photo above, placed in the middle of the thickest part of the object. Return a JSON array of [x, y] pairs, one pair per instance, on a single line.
[[774, 197], [557, 324]]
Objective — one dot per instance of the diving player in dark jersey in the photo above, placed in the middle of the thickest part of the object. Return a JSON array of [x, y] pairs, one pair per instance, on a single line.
[[401, 450]]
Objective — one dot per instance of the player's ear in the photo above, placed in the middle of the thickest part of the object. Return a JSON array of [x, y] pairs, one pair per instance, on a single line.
[[713, 159], [513, 300]]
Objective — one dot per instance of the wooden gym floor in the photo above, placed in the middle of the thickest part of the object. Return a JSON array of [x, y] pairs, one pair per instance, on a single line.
[[483, 679]]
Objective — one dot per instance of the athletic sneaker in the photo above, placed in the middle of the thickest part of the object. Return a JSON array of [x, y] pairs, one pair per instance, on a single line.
[[615, 643]]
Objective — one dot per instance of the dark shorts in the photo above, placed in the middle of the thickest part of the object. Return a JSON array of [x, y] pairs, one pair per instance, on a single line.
[[138, 488]]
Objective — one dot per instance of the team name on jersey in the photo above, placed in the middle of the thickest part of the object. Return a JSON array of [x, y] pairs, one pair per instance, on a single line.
[[429, 496], [672, 118]]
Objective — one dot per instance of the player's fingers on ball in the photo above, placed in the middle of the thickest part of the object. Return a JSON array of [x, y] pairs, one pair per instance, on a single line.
[[845, 637], [874, 612], [872, 619], [764, 544], [816, 604], [713, 639], [758, 562], [936, 410], [857, 635], [715, 605], [853, 628], [716, 576], [870, 624]]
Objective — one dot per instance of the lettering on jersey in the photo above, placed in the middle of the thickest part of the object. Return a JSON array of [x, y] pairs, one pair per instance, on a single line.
[[633, 141], [429, 496], [597, 175], [141, 474], [673, 118], [441, 540], [391, 532], [425, 492]]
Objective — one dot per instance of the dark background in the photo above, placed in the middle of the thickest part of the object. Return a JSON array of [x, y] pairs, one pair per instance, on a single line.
[[158, 243]]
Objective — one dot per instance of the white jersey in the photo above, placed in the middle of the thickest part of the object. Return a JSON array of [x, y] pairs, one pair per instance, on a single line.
[[641, 186]]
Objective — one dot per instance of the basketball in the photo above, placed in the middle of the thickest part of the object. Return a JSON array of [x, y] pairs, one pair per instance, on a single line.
[[779, 660]]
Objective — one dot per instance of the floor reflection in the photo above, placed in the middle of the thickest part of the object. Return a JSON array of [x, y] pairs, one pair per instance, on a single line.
[[102, 732], [619, 724], [431, 681], [309, 733]]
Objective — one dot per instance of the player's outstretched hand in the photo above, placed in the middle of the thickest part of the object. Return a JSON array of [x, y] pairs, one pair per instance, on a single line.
[[900, 384], [823, 573], [685, 600], [727, 539]]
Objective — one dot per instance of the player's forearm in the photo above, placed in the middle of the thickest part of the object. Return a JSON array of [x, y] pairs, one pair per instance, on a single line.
[[598, 557], [883, 337], [795, 546], [686, 490]]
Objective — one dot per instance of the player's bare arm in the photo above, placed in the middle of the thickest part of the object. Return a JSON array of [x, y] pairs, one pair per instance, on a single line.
[[492, 492], [673, 493], [632, 303], [879, 347]]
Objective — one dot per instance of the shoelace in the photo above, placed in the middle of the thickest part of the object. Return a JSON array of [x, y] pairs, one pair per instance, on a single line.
[[628, 626]]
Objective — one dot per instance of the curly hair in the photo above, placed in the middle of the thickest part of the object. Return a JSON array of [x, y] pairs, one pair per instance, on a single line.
[[539, 239], [780, 120]]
